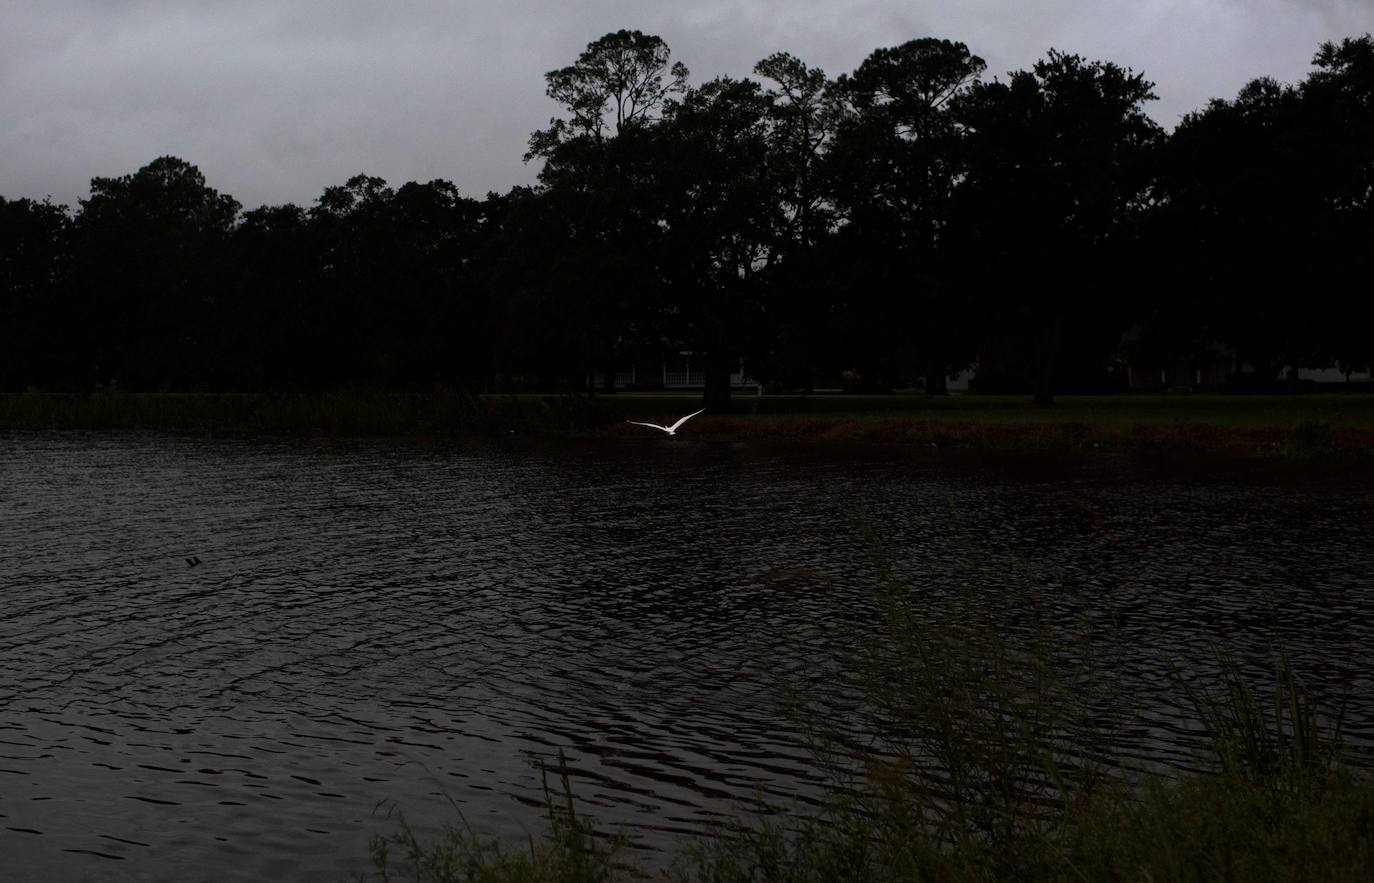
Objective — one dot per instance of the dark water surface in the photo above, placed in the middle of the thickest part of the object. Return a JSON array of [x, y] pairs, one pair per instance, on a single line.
[[387, 628]]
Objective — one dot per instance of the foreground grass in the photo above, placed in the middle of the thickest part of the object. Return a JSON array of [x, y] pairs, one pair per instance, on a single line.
[[1200, 829], [989, 760], [1204, 828]]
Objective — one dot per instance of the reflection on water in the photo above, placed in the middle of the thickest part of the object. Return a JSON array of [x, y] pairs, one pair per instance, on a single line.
[[382, 628]]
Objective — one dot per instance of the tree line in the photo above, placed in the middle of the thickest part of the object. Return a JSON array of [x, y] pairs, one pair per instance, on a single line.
[[893, 225]]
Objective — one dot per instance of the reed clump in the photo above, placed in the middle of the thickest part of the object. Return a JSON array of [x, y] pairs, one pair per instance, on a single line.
[[571, 850], [993, 759]]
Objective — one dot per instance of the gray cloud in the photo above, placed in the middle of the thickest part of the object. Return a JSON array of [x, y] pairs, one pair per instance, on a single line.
[[274, 101]]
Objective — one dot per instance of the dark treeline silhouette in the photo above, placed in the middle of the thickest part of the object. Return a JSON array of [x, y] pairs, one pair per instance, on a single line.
[[892, 226]]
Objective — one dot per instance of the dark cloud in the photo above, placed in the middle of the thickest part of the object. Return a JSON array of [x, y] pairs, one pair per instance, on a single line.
[[274, 100]]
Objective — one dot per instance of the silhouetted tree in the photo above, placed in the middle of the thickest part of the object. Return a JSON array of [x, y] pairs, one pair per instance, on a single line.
[[1245, 176], [721, 220], [33, 319], [1058, 162], [898, 149], [354, 224], [595, 175], [396, 303], [1338, 99], [275, 319], [894, 221], [439, 331], [803, 114], [544, 285], [618, 82], [148, 274]]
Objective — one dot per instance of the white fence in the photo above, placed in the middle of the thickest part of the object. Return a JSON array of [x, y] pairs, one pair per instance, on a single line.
[[671, 379]]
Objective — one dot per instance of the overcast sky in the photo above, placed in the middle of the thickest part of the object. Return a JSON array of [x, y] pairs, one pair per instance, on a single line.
[[276, 99]]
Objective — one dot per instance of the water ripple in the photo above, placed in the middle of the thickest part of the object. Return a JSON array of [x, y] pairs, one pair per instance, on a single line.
[[377, 630]]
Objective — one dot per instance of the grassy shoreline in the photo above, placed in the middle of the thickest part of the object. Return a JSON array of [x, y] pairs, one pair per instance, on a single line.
[[1198, 828], [1246, 426], [989, 758]]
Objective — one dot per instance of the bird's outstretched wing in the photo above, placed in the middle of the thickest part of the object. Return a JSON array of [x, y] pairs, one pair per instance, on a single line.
[[674, 427], [650, 425]]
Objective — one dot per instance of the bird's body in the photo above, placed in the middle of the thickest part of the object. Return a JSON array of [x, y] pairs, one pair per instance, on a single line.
[[671, 430]]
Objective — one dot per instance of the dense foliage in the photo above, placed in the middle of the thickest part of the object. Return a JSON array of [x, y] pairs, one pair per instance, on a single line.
[[888, 227]]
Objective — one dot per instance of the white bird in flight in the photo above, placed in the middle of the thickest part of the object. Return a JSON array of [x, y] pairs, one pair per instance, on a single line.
[[671, 430]]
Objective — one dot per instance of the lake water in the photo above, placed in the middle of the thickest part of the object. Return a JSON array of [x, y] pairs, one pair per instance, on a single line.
[[378, 629]]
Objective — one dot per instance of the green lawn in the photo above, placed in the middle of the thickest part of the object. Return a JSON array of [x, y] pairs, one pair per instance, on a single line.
[[1353, 411], [1302, 425]]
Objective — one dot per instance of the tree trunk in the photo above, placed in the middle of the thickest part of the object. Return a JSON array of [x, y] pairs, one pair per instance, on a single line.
[[1047, 333], [937, 381], [608, 377], [716, 396]]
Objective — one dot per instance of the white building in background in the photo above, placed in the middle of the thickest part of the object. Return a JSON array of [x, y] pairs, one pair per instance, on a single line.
[[673, 371], [959, 382], [1332, 375]]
